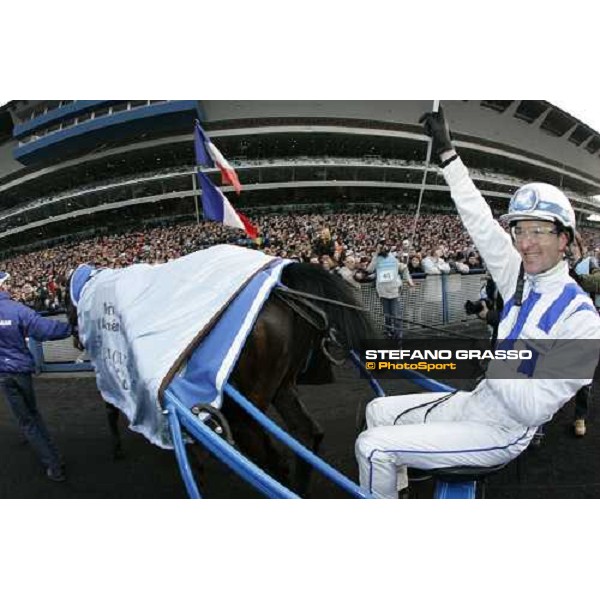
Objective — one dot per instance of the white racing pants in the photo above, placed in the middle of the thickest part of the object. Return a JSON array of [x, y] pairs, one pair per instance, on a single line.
[[417, 431]]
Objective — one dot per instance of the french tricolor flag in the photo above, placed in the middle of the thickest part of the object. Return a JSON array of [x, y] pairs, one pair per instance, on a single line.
[[216, 207], [208, 155]]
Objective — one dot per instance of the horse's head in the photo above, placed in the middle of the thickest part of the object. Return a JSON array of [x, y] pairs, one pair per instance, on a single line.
[[348, 323]]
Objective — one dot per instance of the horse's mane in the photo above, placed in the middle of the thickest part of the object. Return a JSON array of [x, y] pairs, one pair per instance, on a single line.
[[353, 325]]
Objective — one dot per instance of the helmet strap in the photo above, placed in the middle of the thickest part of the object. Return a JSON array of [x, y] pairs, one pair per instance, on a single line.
[[520, 286]]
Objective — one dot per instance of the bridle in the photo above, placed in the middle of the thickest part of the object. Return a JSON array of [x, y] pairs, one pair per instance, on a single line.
[[303, 304]]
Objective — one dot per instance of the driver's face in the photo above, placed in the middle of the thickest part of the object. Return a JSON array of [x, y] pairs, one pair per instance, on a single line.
[[539, 245]]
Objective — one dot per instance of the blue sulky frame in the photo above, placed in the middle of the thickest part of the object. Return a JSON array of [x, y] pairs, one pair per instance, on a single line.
[[181, 418], [179, 414]]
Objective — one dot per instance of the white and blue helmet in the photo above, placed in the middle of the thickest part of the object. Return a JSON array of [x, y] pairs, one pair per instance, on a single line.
[[541, 202], [4, 277]]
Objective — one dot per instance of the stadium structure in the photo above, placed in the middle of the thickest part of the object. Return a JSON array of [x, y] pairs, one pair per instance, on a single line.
[[87, 166]]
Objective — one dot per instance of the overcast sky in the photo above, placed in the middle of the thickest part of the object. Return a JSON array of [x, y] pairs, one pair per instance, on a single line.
[[586, 110]]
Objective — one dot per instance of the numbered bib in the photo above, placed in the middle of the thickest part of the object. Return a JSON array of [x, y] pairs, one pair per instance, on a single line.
[[386, 275]]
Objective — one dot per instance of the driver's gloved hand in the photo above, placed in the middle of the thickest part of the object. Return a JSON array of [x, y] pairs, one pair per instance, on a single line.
[[435, 126]]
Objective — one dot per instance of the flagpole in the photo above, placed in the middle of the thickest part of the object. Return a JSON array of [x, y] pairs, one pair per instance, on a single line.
[[195, 182], [215, 205], [436, 106], [196, 194]]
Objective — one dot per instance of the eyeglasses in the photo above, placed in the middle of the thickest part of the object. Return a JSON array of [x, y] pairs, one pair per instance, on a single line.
[[535, 234]]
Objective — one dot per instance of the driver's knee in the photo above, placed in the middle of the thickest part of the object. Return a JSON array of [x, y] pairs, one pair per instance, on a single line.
[[374, 413]]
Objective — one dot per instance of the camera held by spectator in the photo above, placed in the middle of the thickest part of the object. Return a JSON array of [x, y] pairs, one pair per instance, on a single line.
[[475, 307]]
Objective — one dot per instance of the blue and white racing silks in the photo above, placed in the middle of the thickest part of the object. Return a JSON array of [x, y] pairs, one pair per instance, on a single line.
[[142, 324], [554, 307], [495, 422]]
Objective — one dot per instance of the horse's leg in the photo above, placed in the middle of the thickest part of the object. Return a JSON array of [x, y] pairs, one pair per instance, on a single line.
[[255, 443], [198, 455], [302, 427], [112, 414], [259, 374]]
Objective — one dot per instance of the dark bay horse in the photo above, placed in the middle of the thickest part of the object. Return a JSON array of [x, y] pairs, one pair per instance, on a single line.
[[310, 317]]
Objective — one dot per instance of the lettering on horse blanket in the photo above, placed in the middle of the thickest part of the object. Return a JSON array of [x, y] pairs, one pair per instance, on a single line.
[[140, 324]]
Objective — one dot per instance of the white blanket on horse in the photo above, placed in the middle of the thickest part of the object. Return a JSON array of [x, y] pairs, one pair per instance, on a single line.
[[139, 324]]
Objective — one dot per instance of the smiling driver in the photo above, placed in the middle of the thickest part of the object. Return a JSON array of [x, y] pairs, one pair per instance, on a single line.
[[495, 422]]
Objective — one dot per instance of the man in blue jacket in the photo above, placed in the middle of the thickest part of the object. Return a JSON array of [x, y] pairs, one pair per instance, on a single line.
[[18, 322]]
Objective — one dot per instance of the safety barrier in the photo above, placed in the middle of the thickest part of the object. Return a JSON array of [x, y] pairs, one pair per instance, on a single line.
[[58, 356], [435, 300]]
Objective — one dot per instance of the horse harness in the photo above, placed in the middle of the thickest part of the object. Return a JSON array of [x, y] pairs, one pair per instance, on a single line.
[[302, 304]]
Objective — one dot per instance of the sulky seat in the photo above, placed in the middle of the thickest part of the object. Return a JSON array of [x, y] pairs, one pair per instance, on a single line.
[[456, 482]]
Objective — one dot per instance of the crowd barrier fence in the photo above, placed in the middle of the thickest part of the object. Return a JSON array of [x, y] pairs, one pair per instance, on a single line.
[[436, 300]]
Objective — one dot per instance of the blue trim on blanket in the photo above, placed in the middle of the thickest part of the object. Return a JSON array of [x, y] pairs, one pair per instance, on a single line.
[[198, 381]]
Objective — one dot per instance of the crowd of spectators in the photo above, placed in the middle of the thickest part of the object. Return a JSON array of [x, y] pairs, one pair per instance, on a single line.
[[344, 242]]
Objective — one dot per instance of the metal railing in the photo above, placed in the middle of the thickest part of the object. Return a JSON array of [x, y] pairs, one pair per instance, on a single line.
[[436, 300]]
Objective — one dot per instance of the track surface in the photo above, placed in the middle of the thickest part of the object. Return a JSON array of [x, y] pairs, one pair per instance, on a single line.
[[563, 467]]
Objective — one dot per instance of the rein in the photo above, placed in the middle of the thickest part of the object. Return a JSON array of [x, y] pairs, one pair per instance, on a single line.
[[440, 329], [291, 292], [304, 308]]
